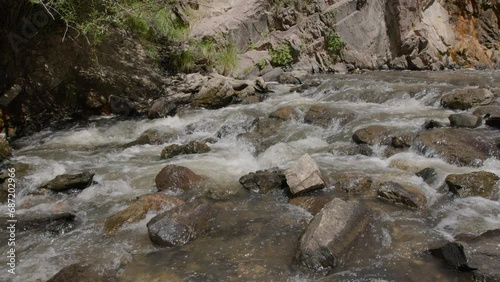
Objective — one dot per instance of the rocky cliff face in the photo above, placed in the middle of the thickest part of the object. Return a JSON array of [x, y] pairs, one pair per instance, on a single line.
[[399, 34]]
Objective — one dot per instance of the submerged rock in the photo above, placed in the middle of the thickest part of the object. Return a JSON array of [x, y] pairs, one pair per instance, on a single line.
[[465, 120], [264, 181], [152, 137], [174, 177], [66, 182], [457, 146], [372, 135], [481, 183], [353, 183], [80, 272], [322, 116], [5, 152], [263, 134], [53, 223], [358, 149], [493, 110], [430, 124], [193, 147], [468, 98], [330, 235], [402, 194], [284, 113], [138, 210], [304, 175], [429, 175], [180, 225], [313, 204], [479, 255], [402, 140]]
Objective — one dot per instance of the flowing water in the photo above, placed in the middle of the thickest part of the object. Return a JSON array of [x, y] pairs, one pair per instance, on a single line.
[[254, 236]]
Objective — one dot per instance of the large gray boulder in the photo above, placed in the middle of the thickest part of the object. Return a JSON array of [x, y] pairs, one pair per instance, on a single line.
[[330, 235], [479, 255], [180, 225], [457, 146], [468, 98], [479, 183], [215, 94], [465, 120], [304, 175]]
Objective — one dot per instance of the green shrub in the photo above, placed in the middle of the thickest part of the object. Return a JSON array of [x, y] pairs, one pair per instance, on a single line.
[[334, 44], [227, 60], [281, 56], [262, 64]]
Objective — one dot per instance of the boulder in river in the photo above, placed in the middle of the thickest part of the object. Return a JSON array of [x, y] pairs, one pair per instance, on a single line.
[[465, 120], [193, 147], [138, 210], [353, 182], [330, 235], [430, 124], [480, 183], [215, 93], [263, 134], [82, 272], [66, 182], [264, 181], [402, 139], [493, 121], [180, 225], [457, 146], [152, 136], [479, 256], [162, 107], [174, 177], [322, 116], [468, 98], [429, 175], [372, 135], [304, 175], [493, 110], [357, 149], [284, 113], [311, 203], [402, 194]]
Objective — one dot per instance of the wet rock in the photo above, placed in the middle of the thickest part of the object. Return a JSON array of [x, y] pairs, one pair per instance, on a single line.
[[457, 146], [479, 255], [372, 135], [402, 140], [465, 120], [330, 235], [66, 182], [5, 152], [312, 204], [264, 181], [215, 93], [353, 183], [152, 137], [174, 177], [468, 98], [304, 175], [358, 149], [193, 147], [493, 110], [391, 151], [322, 116], [80, 272], [122, 106], [430, 124], [253, 99], [288, 78], [273, 75], [429, 175], [162, 107], [263, 134], [138, 210], [284, 113], [402, 194], [481, 183], [180, 225], [54, 223]]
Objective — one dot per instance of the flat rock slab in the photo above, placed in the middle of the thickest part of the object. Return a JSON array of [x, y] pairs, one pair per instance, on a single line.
[[180, 225], [330, 235], [479, 255], [304, 175], [65, 182], [402, 194], [372, 135], [465, 120], [480, 183], [82, 273]]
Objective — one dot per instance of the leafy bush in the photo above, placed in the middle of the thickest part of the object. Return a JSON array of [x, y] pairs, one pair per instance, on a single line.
[[281, 56], [262, 64], [334, 44], [227, 60]]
